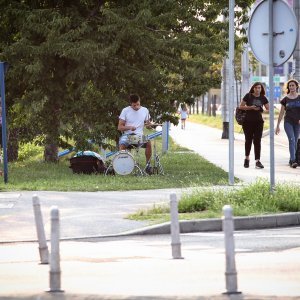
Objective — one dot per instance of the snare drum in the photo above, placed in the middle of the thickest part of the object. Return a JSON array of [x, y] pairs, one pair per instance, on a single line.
[[135, 139], [123, 163]]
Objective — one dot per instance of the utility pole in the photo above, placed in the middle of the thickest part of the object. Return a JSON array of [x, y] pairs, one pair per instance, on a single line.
[[296, 54], [231, 91], [245, 68], [224, 99]]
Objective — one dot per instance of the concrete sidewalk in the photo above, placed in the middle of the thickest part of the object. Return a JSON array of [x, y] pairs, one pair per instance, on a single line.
[[207, 142]]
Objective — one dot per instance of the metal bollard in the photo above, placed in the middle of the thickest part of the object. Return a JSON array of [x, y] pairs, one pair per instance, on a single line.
[[40, 230], [230, 272], [55, 282], [175, 229]]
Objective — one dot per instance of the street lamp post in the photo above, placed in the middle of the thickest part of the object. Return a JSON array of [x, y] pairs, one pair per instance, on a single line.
[[231, 90]]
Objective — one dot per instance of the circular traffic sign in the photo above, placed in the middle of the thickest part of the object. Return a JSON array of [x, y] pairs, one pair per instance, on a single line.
[[285, 32]]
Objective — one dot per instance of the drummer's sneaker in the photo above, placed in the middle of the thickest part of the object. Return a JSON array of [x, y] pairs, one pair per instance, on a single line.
[[148, 169]]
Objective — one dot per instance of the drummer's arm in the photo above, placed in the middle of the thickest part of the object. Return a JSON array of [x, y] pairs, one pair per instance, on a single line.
[[123, 127], [148, 124]]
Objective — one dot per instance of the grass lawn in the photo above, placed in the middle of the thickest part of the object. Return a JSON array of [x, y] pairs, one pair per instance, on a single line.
[[182, 168], [217, 121], [254, 199]]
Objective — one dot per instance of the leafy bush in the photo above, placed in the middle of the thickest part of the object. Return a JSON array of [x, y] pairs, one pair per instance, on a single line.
[[29, 151], [248, 200]]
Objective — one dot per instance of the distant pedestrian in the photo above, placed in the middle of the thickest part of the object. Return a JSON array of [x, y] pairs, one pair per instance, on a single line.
[[253, 103], [184, 114], [290, 108]]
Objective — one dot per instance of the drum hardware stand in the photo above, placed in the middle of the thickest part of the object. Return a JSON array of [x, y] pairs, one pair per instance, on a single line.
[[157, 168], [137, 169]]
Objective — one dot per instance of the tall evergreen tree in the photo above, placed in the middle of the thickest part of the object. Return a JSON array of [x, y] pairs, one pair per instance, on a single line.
[[73, 63]]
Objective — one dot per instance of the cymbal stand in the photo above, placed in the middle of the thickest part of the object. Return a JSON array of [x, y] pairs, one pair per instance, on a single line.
[[157, 167]]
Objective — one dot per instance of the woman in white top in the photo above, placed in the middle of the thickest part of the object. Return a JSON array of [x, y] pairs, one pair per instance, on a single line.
[[184, 113]]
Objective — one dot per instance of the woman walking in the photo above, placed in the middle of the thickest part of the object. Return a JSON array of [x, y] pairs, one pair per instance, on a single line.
[[253, 103], [184, 113], [290, 108]]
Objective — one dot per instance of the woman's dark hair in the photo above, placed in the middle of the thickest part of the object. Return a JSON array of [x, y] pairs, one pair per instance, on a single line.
[[288, 83], [133, 98], [262, 92]]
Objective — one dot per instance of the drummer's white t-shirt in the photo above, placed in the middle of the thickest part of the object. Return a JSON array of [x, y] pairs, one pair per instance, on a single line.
[[136, 118]]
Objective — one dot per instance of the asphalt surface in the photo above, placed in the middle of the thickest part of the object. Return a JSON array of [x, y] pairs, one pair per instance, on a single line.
[[140, 266]]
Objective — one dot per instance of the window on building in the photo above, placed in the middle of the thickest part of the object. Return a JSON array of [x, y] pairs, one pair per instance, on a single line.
[[256, 72], [279, 70], [263, 70], [290, 67]]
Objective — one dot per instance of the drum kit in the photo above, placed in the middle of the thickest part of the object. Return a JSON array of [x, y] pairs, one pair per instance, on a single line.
[[124, 162]]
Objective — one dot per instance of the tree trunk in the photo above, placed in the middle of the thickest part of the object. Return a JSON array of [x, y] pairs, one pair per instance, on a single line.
[[51, 152], [12, 145]]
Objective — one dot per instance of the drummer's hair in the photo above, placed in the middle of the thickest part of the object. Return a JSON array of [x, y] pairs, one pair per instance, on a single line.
[[134, 98]]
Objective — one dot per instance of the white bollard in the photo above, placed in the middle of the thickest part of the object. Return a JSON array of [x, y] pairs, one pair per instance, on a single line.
[[40, 230], [230, 272], [55, 282], [175, 229]]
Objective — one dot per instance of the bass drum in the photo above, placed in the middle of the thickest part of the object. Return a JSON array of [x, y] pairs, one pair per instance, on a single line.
[[123, 163]]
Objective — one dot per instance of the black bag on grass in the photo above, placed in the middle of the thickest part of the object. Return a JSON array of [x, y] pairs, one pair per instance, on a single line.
[[87, 162]]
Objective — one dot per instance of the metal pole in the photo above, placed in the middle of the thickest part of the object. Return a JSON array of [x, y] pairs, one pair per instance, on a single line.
[[230, 272], [231, 90], [3, 106], [224, 99], [55, 280], [271, 97], [245, 70], [175, 229], [165, 137], [43, 248], [296, 54]]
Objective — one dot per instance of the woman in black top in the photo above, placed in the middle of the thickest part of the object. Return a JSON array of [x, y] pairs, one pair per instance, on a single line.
[[253, 102], [290, 106]]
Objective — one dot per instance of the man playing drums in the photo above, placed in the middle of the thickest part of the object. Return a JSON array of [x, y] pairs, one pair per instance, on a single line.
[[132, 120]]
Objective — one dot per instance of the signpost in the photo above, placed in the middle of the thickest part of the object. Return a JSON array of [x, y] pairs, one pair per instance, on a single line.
[[231, 89], [282, 23], [3, 66]]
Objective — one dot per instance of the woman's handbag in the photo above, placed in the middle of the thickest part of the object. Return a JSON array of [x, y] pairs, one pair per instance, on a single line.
[[240, 115]]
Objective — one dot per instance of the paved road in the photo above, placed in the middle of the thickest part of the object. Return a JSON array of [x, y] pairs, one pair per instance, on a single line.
[[82, 213], [141, 267]]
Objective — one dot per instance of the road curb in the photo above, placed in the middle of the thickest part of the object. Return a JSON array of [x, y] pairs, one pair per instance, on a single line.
[[205, 225], [215, 224]]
